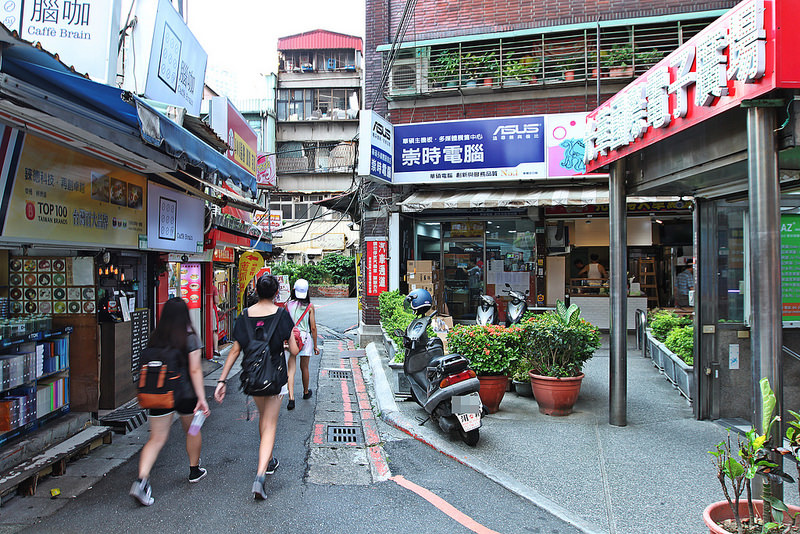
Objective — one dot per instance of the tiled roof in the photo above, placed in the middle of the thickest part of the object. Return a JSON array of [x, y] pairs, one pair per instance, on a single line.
[[319, 40]]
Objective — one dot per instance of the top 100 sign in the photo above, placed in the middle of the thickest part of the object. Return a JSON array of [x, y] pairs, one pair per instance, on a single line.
[[731, 60]]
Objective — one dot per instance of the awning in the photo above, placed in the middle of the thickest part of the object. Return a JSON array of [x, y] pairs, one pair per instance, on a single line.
[[346, 203], [504, 198], [514, 198]]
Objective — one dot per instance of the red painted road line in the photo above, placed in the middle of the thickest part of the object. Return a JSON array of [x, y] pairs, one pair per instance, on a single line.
[[378, 461], [319, 430], [443, 506], [348, 408], [367, 414], [370, 432]]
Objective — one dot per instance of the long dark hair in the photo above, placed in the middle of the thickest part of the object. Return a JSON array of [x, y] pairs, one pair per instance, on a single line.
[[173, 327]]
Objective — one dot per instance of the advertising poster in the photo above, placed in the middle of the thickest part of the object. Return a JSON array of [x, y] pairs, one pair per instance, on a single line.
[[249, 264], [230, 125], [190, 285], [284, 291], [482, 150], [266, 174], [377, 267], [564, 138], [59, 195], [375, 147], [790, 269]]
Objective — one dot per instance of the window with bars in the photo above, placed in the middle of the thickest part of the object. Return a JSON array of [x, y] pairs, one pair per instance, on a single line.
[[313, 104], [313, 157], [544, 59]]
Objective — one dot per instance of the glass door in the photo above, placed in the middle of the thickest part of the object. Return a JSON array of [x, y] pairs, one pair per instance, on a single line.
[[462, 267]]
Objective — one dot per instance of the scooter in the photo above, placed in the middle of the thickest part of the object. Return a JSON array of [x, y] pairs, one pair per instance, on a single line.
[[442, 384], [487, 311], [517, 307]]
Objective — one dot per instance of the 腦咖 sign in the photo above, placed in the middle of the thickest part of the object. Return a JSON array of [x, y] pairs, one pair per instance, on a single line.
[[742, 55], [377, 271]]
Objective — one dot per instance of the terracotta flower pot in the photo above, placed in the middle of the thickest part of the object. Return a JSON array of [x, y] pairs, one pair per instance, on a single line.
[[719, 511], [556, 396], [569, 75], [492, 390]]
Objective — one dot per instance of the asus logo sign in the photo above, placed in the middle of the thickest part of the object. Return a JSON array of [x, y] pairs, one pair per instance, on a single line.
[[516, 129], [379, 130]]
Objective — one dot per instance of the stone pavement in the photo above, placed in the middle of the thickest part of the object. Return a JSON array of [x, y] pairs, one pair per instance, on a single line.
[[652, 476]]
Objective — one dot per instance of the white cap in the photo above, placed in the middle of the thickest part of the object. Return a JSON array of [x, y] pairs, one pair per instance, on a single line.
[[301, 288]]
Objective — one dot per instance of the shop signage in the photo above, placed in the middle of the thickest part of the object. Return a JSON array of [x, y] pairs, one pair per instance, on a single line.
[[229, 124], [375, 146], [377, 267], [169, 59], [82, 32], [790, 269], [58, 195], [249, 264], [735, 58], [190, 285], [284, 292], [275, 223], [266, 174], [174, 220], [224, 254], [676, 206]]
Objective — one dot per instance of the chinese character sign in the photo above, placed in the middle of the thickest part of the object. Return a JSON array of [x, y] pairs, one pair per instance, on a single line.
[[790, 267], [729, 61], [470, 150], [249, 264], [266, 170], [377, 267], [376, 141]]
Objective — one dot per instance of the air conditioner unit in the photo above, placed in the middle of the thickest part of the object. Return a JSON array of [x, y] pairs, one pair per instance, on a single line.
[[410, 72]]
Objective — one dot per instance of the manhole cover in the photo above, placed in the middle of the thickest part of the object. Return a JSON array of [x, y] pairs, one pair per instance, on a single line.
[[344, 434], [339, 373]]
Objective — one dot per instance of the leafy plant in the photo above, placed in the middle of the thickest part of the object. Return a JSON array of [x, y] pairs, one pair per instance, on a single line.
[[648, 57], [558, 343], [619, 56], [793, 436], [490, 349], [751, 458], [341, 269], [446, 66], [570, 61], [681, 341], [315, 274], [523, 68], [663, 321], [393, 316]]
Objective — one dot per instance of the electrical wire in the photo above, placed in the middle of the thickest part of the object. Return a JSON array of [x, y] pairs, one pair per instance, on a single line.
[[402, 27]]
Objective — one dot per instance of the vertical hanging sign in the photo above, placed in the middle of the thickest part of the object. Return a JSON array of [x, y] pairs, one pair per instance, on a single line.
[[377, 276], [790, 269]]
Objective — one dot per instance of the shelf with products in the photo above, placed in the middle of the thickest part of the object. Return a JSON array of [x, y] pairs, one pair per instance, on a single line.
[[34, 380]]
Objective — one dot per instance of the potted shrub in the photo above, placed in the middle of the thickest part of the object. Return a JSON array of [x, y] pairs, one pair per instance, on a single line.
[[570, 64], [648, 58], [491, 351], [472, 68], [490, 69], [619, 61], [556, 345], [446, 68], [737, 466], [520, 379], [519, 71]]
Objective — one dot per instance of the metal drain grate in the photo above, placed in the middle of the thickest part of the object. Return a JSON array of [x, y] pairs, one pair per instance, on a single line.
[[344, 434], [339, 373]]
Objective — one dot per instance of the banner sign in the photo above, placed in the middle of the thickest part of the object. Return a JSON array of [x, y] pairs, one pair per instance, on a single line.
[[190, 285], [249, 264], [375, 146], [377, 267], [482, 150], [790, 269], [224, 254], [284, 291], [735, 58], [274, 224], [266, 170], [58, 195], [174, 220], [229, 124]]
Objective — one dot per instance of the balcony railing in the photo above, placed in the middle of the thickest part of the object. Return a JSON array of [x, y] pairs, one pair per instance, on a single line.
[[312, 158], [537, 60]]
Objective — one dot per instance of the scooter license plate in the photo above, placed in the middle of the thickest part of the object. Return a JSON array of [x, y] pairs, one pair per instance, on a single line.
[[470, 403], [469, 421]]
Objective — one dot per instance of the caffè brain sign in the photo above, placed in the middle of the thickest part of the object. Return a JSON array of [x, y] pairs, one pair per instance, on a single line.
[[740, 56]]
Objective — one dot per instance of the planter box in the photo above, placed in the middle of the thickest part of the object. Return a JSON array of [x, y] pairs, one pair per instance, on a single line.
[[673, 367], [400, 385]]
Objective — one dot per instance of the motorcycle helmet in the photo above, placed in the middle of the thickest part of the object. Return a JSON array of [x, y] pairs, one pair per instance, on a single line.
[[419, 300]]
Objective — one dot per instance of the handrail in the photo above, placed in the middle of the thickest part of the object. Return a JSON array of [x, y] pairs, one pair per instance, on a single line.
[[791, 353], [640, 320]]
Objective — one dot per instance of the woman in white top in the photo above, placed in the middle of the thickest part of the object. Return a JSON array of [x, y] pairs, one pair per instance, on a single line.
[[297, 307]]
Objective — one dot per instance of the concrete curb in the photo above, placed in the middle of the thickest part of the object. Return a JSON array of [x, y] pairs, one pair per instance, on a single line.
[[390, 413]]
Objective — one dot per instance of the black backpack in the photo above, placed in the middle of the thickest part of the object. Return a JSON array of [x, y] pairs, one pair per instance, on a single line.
[[163, 378], [263, 373]]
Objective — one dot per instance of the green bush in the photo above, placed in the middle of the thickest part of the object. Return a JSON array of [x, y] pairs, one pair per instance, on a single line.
[[342, 269], [490, 349], [681, 341], [332, 269], [662, 322], [394, 316]]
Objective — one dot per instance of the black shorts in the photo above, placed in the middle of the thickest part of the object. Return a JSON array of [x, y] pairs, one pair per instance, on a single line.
[[183, 407]]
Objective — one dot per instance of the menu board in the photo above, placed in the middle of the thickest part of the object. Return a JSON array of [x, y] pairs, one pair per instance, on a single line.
[[46, 285], [790, 269], [190, 285], [140, 334]]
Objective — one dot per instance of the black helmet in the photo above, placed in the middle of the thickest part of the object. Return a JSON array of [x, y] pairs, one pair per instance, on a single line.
[[419, 300]]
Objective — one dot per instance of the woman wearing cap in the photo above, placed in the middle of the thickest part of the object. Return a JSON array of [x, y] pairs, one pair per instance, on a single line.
[[302, 312]]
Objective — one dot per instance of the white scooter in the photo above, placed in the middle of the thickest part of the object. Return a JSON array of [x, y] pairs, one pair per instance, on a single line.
[[487, 311], [517, 307]]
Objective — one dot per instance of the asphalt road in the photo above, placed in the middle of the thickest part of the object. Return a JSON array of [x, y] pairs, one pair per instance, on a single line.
[[461, 500]]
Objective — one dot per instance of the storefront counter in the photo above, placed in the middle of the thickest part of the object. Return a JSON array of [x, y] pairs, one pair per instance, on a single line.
[[597, 309]]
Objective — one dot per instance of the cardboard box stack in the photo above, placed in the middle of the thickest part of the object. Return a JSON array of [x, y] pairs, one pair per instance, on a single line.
[[425, 274]]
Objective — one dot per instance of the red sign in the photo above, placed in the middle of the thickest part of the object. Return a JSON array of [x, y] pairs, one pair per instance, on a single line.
[[377, 268], [190, 285], [266, 171], [224, 254], [739, 56], [232, 127]]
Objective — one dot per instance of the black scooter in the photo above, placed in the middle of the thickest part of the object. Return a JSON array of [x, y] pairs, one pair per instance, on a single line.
[[517, 307], [443, 385]]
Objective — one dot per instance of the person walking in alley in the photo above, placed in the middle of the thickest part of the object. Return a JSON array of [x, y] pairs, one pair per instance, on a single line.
[[302, 312], [174, 331], [262, 315]]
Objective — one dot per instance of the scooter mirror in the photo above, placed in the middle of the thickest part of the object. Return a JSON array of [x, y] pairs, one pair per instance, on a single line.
[[508, 285], [399, 333]]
